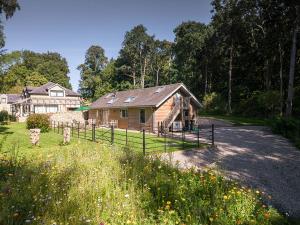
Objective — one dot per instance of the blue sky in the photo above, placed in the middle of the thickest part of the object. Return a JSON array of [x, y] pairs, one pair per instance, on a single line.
[[70, 27]]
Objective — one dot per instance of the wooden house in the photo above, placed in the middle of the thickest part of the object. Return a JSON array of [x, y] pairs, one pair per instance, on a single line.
[[147, 108]]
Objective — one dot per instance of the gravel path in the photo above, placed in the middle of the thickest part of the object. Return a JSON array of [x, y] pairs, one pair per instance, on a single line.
[[257, 158]]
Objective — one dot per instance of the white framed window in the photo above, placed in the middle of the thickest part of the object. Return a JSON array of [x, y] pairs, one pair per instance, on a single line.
[[142, 116], [124, 113], [3, 100], [56, 93]]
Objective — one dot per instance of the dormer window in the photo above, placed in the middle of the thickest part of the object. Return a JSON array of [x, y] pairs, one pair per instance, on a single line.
[[56, 93], [129, 99], [3, 100]]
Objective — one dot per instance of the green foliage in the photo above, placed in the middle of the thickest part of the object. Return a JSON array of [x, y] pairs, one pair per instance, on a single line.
[[91, 72], [21, 68], [260, 104], [87, 182], [289, 128], [214, 103], [40, 121], [4, 116]]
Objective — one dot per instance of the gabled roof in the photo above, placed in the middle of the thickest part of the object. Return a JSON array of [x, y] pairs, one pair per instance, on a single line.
[[43, 90], [11, 98], [143, 97]]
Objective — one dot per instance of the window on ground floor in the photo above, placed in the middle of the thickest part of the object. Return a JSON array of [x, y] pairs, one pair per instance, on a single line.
[[124, 113], [142, 116], [45, 108]]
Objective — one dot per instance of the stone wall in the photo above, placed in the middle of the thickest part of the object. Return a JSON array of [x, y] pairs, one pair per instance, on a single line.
[[68, 117]]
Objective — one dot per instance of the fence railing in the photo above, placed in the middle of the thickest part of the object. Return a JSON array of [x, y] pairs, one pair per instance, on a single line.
[[161, 140]]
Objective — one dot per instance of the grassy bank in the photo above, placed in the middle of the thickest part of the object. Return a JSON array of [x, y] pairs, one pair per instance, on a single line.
[[91, 183], [239, 120]]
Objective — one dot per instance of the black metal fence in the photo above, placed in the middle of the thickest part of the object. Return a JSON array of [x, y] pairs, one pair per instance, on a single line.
[[158, 140]]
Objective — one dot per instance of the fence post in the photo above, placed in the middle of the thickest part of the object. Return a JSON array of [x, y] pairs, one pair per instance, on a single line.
[[126, 136], [72, 129], [182, 138], [161, 128], [158, 129], [112, 134], [78, 125], [144, 143], [58, 127], [93, 132], [165, 139], [198, 136], [62, 128], [213, 134]]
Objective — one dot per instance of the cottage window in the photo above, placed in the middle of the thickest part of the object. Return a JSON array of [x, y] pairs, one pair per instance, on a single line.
[[3, 100], [55, 93], [124, 113], [142, 116]]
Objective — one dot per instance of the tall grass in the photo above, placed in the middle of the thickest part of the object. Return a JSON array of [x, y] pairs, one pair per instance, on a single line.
[[88, 183]]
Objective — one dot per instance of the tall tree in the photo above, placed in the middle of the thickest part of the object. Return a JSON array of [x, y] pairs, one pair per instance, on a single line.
[[136, 54], [161, 60], [8, 7], [20, 68], [90, 71], [189, 41], [289, 102]]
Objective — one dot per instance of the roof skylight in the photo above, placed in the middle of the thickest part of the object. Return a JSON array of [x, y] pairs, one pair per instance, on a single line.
[[159, 89], [111, 101], [129, 99]]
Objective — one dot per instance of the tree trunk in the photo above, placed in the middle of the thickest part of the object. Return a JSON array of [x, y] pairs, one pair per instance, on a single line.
[[281, 79], [157, 77], [289, 101], [134, 78], [205, 85], [230, 79], [143, 73]]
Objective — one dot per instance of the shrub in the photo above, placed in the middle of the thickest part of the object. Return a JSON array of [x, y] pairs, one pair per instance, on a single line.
[[288, 127], [260, 104], [214, 103], [40, 121], [12, 118], [3, 116]]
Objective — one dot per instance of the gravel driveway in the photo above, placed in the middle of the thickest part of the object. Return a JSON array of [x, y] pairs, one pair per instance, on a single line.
[[257, 158]]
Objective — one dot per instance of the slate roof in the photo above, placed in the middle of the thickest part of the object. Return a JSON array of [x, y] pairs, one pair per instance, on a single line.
[[143, 97], [12, 98], [43, 90]]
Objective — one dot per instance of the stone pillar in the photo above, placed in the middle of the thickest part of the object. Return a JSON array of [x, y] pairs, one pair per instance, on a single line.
[[67, 135], [35, 136]]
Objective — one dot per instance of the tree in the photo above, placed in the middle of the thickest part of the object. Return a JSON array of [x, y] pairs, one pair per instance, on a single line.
[[289, 102], [21, 68], [135, 55], [189, 42], [90, 71], [8, 7], [161, 59]]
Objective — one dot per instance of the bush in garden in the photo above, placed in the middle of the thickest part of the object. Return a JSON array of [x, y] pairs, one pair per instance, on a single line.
[[4, 116], [41, 121]]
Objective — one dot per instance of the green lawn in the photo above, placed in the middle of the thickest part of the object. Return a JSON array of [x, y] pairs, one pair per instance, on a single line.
[[239, 120], [153, 143], [87, 182]]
